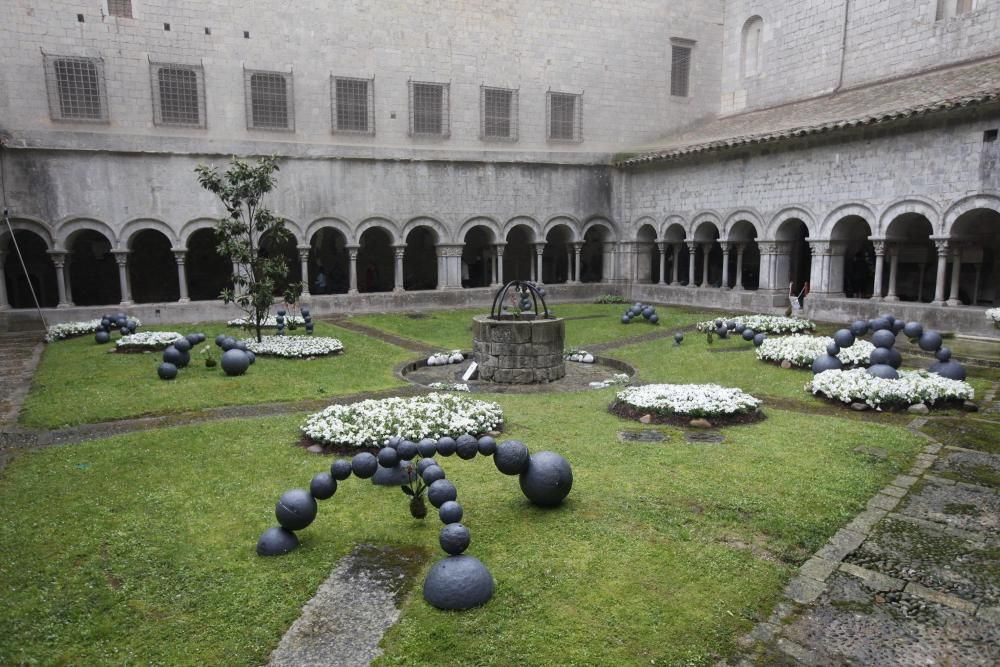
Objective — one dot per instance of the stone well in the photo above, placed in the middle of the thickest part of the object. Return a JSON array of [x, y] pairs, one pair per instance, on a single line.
[[519, 351]]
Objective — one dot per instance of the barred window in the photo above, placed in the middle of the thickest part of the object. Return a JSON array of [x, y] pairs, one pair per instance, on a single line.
[[76, 88], [269, 100], [680, 70], [122, 8], [565, 111], [948, 9], [178, 95], [352, 105], [498, 114], [429, 109]]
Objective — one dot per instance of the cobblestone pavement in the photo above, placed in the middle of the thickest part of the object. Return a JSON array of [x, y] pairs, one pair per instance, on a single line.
[[912, 580], [19, 355]]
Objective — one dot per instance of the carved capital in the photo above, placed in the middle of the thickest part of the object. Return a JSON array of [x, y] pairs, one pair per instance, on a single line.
[[692, 247], [819, 247], [767, 248], [121, 256], [725, 245], [179, 256], [941, 245]]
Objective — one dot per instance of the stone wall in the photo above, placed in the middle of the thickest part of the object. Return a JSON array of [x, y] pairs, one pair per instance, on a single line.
[[519, 352]]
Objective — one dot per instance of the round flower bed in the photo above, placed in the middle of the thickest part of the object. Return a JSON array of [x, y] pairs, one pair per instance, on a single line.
[[857, 386], [370, 423], [679, 403], [769, 324], [147, 341], [271, 322], [74, 329], [294, 347], [994, 314], [800, 350]]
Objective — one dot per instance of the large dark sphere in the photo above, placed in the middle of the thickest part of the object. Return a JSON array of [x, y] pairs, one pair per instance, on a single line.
[[424, 464], [450, 512], [427, 447], [276, 541], [895, 358], [654, 318], [883, 338], [880, 355], [511, 457], [913, 329], [884, 371], [748, 334], [296, 509], [859, 327], [432, 474], [759, 339], [446, 446], [879, 324], [407, 450], [340, 469], [547, 479], [833, 349], [825, 362], [948, 369], [183, 344], [888, 317], [235, 362], [398, 475], [184, 360], [166, 371], [305, 311], [102, 337], [228, 343], [647, 312], [740, 328], [441, 492], [364, 465], [191, 338], [172, 355], [106, 322], [218, 339], [454, 538], [722, 332], [730, 324], [457, 583], [930, 341], [323, 486], [943, 354], [388, 457], [487, 445], [467, 447], [844, 337], [898, 325]]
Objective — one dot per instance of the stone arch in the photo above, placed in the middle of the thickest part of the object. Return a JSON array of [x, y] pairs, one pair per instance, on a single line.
[[420, 261], [30, 224], [984, 200], [526, 221], [329, 261], [151, 266], [562, 219], [288, 249], [699, 221], [340, 224], [599, 221], [72, 226], [439, 229], [560, 235], [847, 266], [376, 266], [519, 259], [801, 213], [854, 209], [916, 205], [647, 253], [38, 273], [93, 270], [478, 237], [646, 221], [191, 227], [207, 272], [674, 229], [484, 221], [751, 46], [388, 225], [742, 214], [133, 227], [975, 241], [295, 230]]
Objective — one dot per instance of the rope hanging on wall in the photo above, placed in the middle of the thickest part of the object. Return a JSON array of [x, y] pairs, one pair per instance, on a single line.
[[13, 238]]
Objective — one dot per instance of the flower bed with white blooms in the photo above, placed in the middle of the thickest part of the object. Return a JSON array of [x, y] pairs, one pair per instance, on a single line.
[[801, 349], [370, 423], [857, 386], [270, 322], [147, 341], [668, 402], [74, 329], [769, 324], [994, 314], [294, 347], [449, 386]]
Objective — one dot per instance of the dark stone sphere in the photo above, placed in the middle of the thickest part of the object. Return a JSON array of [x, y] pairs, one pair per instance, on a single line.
[[654, 318], [450, 512], [424, 464], [722, 332], [446, 446], [487, 445], [879, 324], [241, 346], [228, 343], [427, 447], [364, 465], [883, 338], [748, 334], [467, 447], [740, 328], [102, 337], [296, 509], [678, 337], [281, 312], [106, 322], [457, 583], [730, 324], [310, 327], [895, 358], [844, 337], [393, 441], [930, 341], [323, 486], [432, 474], [276, 541], [888, 317], [172, 355], [340, 469], [191, 338], [218, 339], [183, 344], [759, 339], [398, 475], [626, 319], [647, 312], [440, 492], [833, 349], [388, 457], [305, 312], [826, 362], [547, 479], [859, 327], [235, 362], [943, 354], [511, 457], [251, 357], [880, 355], [454, 538], [948, 369], [166, 371], [884, 371], [184, 360], [719, 324], [913, 329], [898, 325], [407, 450]]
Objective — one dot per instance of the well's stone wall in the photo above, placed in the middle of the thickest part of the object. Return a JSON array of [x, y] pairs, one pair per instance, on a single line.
[[519, 352]]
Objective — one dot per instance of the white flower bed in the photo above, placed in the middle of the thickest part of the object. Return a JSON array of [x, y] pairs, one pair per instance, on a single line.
[[146, 341], [857, 386], [448, 386], [771, 324], [73, 329], [579, 356], [270, 322], [691, 400], [295, 347], [618, 379], [445, 358], [993, 314], [369, 423], [802, 349]]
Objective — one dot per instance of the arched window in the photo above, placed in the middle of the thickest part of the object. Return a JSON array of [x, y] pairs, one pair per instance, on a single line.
[[750, 54]]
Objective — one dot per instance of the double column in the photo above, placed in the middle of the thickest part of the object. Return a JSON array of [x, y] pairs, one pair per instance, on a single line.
[[947, 248], [449, 258]]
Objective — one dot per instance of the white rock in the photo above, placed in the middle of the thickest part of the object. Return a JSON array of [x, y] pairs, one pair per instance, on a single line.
[[588, 358]]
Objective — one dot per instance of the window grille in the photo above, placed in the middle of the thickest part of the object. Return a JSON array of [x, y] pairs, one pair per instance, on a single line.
[[76, 88], [122, 8], [498, 114], [951, 8], [680, 70], [269, 100], [352, 104], [429, 115], [565, 114], [178, 95]]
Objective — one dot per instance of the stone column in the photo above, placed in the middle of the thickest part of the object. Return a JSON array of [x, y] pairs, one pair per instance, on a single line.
[[978, 266], [706, 250], [662, 247], [500, 248], [304, 260], [66, 276], [352, 271], [890, 294], [397, 252], [539, 250], [59, 261], [449, 266], [4, 302], [577, 252], [609, 270], [740, 249], [179, 257], [941, 245], [956, 275], [121, 257], [692, 250], [725, 264], [675, 269], [569, 265], [879, 264], [819, 278]]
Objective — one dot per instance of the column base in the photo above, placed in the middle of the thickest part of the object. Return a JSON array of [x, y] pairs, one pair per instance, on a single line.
[[875, 298], [305, 295], [184, 300], [5, 307], [953, 302], [398, 290], [126, 303], [352, 291], [891, 299], [64, 305]]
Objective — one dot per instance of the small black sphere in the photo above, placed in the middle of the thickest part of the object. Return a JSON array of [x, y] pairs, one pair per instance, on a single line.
[[166, 371], [898, 325], [340, 469], [895, 358], [440, 492], [826, 362], [511, 457], [883, 338], [467, 447], [102, 337], [234, 362], [218, 339], [930, 341], [172, 355], [296, 509], [678, 337], [393, 442], [879, 356], [948, 369], [446, 446], [747, 334], [182, 344], [759, 339], [913, 330], [276, 541], [364, 465], [407, 450], [228, 343], [424, 464], [547, 479], [427, 447], [432, 474], [454, 538], [884, 371], [722, 332], [487, 445], [859, 327], [388, 457], [251, 357], [844, 338], [323, 486], [833, 349], [943, 354], [450, 512]]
